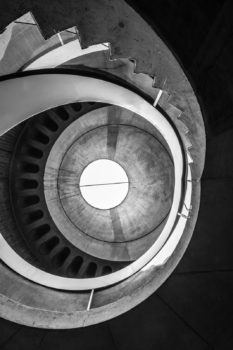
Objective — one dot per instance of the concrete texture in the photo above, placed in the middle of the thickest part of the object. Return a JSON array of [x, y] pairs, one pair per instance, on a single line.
[[185, 322], [21, 197], [130, 37], [213, 231], [8, 226], [167, 70], [149, 169], [118, 234], [211, 290], [129, 295], [23, 42], [122, 67]]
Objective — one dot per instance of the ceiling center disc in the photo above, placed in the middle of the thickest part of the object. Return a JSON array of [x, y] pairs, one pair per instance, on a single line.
[[104, 184]]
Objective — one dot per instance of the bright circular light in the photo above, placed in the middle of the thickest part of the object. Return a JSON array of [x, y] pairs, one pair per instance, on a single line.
[[104, 184]]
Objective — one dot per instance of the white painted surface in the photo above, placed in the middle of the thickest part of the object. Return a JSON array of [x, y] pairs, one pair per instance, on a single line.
[[63, 54]]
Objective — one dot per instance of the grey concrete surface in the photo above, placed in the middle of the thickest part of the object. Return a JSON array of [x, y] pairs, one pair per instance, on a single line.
[[162, 324], [149, 169], [134, 146]]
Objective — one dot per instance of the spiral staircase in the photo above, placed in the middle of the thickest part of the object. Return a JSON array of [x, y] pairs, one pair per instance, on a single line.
[[74, 96]]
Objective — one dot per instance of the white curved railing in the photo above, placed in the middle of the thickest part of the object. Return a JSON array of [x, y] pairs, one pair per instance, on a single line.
[[62, 54], [23, 97]]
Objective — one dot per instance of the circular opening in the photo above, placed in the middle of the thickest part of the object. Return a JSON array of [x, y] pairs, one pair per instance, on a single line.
[[104, 184]]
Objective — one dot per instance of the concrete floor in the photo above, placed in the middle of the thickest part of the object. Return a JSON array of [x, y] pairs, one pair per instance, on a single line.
[[194, 308]]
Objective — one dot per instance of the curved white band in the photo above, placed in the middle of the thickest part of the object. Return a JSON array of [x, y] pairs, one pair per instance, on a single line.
[[23, 97]]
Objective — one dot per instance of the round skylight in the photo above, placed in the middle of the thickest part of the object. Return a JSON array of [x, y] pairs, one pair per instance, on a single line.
[[104, 184]]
